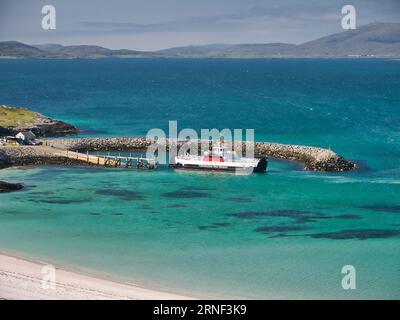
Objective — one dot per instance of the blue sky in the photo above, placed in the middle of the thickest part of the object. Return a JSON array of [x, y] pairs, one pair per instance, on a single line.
[[156, 24]]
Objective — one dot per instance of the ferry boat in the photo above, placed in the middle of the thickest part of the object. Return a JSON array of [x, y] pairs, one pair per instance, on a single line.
[[221, 159]]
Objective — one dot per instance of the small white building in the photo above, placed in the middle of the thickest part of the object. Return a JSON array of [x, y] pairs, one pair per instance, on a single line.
[[26, 136]]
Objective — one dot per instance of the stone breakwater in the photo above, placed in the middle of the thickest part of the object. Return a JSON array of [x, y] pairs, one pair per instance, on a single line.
[[99, 144], [34, 155], [313, 158]]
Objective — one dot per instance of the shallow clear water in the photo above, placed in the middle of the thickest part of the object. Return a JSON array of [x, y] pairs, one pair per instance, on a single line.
[[284, 234]]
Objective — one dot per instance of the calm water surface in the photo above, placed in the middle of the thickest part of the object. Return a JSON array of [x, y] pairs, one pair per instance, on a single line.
[[284, 234]]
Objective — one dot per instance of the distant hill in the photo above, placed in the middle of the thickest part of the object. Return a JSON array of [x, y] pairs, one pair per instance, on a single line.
[[88, 51], [377, 39], [85, 51], [230, 51], [20, 50], [50, 47], [380, 40], [14, 49]]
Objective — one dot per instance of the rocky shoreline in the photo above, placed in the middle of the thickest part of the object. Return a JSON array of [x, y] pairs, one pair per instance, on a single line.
[[50, 128]]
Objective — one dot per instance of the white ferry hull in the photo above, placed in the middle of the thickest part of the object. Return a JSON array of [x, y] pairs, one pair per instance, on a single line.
[[254, 165]]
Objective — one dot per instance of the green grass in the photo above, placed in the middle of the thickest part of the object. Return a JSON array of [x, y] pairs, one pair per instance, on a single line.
[[16, 117]]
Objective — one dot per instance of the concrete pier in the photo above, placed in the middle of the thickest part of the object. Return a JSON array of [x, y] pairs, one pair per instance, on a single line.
[[42, 155]]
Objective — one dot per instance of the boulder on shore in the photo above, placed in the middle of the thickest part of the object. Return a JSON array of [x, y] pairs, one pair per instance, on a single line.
[[9, 187]]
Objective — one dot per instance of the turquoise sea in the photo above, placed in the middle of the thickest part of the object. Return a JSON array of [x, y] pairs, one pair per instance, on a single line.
[[285, 234]]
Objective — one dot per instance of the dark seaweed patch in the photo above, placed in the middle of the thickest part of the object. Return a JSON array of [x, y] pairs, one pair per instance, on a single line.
[[10, 212], [60, 201], [241, 200], [214, 226], [121, 194], [347, 216], [299, 216], [268, 229], [383, 208], [208, 228], [221, 224], [255, 214], [176, 205], [360, 234], [185, 194], [280, 235], [195, 188]]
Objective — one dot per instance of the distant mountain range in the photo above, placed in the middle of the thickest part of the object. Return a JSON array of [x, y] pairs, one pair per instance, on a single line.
[[381, 40], [14, 49]]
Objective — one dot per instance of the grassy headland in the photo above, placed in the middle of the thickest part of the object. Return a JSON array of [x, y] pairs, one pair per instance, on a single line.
[[15, 119]]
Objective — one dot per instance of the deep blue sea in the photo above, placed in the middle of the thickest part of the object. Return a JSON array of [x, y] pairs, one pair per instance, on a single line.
[[285, 234]]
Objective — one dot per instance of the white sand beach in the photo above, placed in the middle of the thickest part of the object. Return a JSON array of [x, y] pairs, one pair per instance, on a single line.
[[22, 279]]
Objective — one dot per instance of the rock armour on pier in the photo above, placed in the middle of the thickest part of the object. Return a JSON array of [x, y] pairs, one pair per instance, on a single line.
[[37, 155]]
